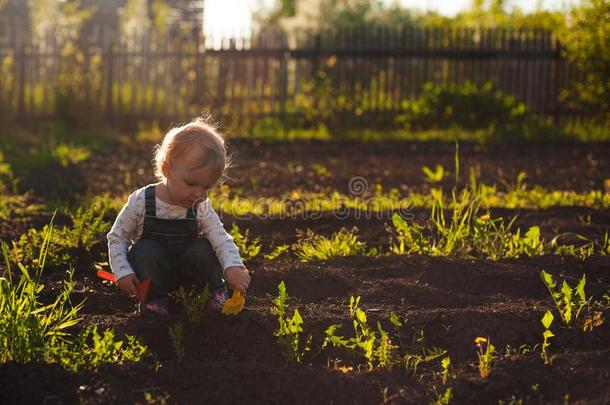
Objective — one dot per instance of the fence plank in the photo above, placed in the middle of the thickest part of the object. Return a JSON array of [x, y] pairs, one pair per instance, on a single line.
[[378, 70]]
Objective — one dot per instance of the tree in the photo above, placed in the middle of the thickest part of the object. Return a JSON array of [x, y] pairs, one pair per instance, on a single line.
[[586, 38], [134, 20], [332, 14]]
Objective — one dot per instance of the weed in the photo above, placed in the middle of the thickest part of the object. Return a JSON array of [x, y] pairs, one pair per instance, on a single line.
[[13, 206], [103, 349], [27, 326], [375, 347], [435, 176], [529, 245], [318, 247], [248, 248], [66, 154], [33, 331], [521, 350], [320, 170], [69, 243], [592, 321], [408, 238], [466, 233], [176, 333], [154, 399], [546, 321], [277, 252], [289, 331], [314, 203], [8, 181], [445, 364], [486, 354], [569, 301], [194, 304], [419, 353], [443, 398], [587, 248]]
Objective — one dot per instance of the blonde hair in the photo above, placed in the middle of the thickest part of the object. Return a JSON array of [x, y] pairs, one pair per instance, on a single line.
[[178, 140]]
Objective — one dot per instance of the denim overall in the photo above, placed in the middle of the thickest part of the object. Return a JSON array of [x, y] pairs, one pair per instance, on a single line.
[[170, 252]]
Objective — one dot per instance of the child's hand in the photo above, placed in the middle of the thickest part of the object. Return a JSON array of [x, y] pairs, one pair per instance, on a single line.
[[128, 284], [238, 278]]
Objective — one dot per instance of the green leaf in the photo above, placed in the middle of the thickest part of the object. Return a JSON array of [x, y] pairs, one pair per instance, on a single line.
[[580, 289], [394, 320], [547, 279], [547, 319], [360, 315]]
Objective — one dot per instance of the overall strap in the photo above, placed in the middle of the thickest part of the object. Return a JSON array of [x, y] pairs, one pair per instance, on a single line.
[[190, 213], [151, 206]]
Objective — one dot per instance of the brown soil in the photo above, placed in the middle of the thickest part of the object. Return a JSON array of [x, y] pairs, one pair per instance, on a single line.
[[267, 169], [236, 360]]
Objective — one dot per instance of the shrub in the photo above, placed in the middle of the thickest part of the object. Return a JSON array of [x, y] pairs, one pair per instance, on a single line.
[[318, 247], [472, 107]]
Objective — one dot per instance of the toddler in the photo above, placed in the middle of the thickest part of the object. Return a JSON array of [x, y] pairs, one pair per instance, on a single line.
[[168, 231]]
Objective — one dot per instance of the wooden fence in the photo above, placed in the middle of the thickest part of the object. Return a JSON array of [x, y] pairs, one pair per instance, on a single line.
[[353, 72]]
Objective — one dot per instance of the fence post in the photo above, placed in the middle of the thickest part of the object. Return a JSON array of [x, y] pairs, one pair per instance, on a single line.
[[109, 77], [558, 67], [283, 74], [316, 67], [21, 95]]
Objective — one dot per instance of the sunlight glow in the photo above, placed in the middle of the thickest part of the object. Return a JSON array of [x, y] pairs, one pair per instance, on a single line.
[[224, 18]]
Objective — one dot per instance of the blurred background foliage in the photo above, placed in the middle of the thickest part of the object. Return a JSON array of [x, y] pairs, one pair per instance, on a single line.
[[584, 32]]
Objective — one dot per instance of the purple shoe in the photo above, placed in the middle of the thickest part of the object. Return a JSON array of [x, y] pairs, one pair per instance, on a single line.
[[159, 306], [218, 298]]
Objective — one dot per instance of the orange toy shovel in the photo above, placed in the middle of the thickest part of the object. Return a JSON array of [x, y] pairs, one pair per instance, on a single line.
[[141, 288]]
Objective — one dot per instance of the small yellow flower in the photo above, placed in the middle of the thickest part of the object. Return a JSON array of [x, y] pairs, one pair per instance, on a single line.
[[485, 217], [234, 305], [480, 340], [345, 369]]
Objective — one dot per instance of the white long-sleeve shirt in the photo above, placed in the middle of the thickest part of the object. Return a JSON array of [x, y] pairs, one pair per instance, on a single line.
[[127, 229]]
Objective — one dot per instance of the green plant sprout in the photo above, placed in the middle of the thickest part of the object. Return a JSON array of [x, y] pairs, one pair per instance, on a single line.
[[486, 354], [435, 176], [588, 248], [34, 331], [248, 248], [103, 349], [445, 365], [467, 234], [277, 252], [546, 321], [375, 347], [289, 330], [68, 243], [194, 304], [569, 301], [419, 353], [443, 398], [392, 200], [344, 242], [521, 350], [176, 333]]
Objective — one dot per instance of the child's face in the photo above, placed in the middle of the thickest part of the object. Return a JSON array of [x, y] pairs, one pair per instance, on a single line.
[[187, 181]]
